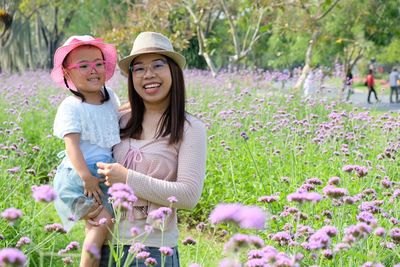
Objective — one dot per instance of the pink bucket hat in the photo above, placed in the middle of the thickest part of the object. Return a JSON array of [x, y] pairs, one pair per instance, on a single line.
[[108, 50]]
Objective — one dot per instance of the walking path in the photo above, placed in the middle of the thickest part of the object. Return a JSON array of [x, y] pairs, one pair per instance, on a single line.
[[359, 98]]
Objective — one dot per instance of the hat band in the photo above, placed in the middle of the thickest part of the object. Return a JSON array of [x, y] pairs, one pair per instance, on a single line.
[[150, 49]]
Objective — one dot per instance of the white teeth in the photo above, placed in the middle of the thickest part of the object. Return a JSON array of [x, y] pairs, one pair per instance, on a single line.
[[153, 85], [94, 79]]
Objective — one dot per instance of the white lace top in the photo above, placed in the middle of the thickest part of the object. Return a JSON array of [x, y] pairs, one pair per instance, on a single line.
[[97, 124]]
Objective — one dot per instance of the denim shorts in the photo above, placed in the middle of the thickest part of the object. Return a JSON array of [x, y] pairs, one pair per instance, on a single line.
[[169, 261], [71, 203]]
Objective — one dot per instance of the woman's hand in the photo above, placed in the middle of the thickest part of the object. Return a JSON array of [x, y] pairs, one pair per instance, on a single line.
[[113, 172]]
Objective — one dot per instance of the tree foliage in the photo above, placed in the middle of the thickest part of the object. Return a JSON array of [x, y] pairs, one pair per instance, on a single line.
[[211, 34]]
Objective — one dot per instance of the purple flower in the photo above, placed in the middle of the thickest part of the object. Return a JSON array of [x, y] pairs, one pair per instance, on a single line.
[[281, 259], [244, 135], [334, 180], [224, 213], [55, 227], [251, 217], [256, 241], [314, 181], [247, 217], [136, 248], [356, 232], [93, 251], [329, 230], [122, 196], [135, 231], [43, 193], [304, 196], [282, 238], [380, 231], [395, 235], [23, 241], [268, 199], [142, 255], [238, 241], [167, 251], [150, 262], [328, 254], [334, 192], [341, 246], [11, 215], [256, 262], [67, 261], [318, 240], [189, 241], [255, 254], [172, 199], [14, 170], [159, 214], [12, 257], [72, 246], [367, 218], [360, 170]]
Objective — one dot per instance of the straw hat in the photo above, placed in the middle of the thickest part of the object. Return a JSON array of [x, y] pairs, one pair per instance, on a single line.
[[108, 50], [148, 43]]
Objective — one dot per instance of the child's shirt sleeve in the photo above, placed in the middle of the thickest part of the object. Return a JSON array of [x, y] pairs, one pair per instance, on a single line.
[[114, 99], [67, 119]]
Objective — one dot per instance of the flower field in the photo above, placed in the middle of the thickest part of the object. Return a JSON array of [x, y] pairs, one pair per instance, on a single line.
[[290, 181]]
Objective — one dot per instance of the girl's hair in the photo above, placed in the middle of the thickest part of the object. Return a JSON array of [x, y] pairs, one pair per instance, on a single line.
[[173, 119], [105, 95]]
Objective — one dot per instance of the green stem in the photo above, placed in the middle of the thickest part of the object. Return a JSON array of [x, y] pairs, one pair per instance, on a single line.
[[255, 166]]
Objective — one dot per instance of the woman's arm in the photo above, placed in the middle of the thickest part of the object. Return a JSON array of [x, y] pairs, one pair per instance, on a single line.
[[190, 174]]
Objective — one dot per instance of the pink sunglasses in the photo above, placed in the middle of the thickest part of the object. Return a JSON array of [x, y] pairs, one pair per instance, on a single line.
[[87, 66]]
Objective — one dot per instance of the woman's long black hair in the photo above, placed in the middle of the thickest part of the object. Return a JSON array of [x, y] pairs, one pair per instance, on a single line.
[[173, 119]]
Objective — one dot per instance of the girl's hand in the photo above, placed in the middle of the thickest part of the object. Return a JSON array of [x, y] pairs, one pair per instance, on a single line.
[[114, 172], [91, 187]]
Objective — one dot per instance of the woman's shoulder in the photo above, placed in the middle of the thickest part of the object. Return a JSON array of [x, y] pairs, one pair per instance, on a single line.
[[124, 114], [194, 123]]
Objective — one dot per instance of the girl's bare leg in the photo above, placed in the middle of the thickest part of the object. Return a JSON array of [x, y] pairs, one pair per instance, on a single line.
[[95, 237]]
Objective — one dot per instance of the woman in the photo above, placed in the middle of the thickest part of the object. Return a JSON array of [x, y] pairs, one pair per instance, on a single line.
[[163, 149]]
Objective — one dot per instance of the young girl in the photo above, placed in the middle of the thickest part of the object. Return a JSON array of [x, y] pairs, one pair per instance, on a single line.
[[88, 123]]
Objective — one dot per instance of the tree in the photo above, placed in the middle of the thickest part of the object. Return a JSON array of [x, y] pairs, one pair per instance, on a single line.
[[204, 14], [33, 33]]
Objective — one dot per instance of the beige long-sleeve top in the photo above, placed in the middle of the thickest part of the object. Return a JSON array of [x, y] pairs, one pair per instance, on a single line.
[[158, 171]]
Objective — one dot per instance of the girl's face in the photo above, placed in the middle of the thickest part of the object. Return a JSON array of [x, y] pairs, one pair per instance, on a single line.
[[85, 67], [152, 80]]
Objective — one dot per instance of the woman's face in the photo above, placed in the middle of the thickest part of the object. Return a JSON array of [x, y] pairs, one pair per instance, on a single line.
[[152, 80], [85, 67]]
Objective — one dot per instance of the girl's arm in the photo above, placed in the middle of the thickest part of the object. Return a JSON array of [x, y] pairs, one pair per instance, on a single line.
[[190, 176], [90, 183]]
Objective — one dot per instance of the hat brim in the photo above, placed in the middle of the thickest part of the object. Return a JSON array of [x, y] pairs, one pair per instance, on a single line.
[[126, 61], [108, 50]]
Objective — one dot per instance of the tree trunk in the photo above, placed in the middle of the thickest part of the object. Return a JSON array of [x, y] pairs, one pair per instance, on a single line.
[[307, 62], [15, 47]]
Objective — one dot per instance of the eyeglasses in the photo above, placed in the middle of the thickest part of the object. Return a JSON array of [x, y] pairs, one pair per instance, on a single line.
[[86, 67], [157, 66]]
